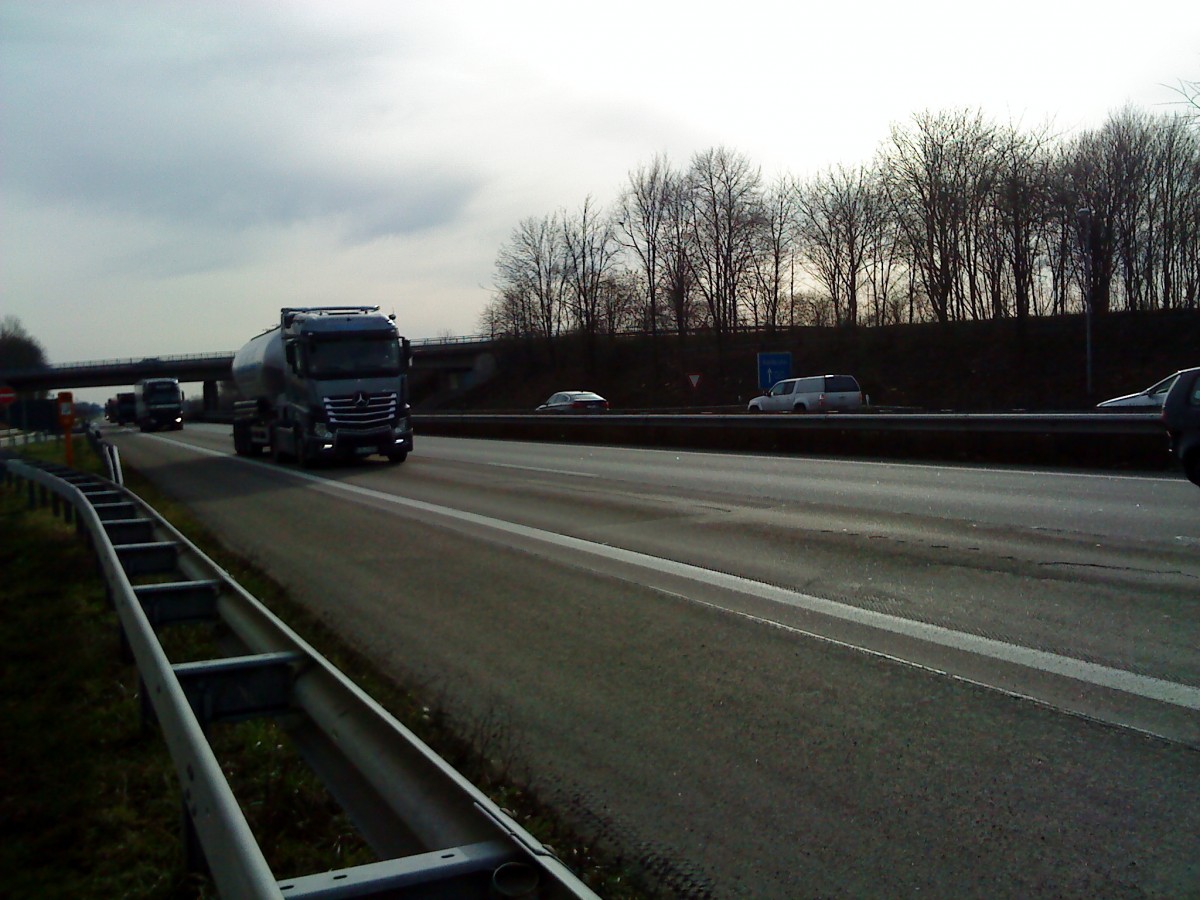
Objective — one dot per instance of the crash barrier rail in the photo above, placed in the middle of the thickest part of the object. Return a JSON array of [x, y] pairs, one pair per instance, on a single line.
[[13, 437], [1099, 440], [108, 454], [436, 834]]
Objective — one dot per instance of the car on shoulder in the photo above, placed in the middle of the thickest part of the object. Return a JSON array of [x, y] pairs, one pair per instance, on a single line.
[[812, 393], [1151, 398], [574, 402], [1181, 416]]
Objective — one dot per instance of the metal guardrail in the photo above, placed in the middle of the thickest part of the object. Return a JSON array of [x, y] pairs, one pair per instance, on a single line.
[[435, 832], [1014, 422], [1100, 440]]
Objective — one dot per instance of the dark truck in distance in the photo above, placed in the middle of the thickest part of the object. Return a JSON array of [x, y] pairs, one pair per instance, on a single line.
[[1181, 415], [159, 404], [122, 409], [327, 382]]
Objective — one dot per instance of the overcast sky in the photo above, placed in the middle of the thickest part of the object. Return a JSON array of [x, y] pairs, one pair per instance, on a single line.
[[172, 173]]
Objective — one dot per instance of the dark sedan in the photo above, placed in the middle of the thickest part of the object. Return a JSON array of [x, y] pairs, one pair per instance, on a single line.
[[574, 402]]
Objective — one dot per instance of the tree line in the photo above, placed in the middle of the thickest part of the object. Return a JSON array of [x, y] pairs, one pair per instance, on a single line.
[[956, 218]]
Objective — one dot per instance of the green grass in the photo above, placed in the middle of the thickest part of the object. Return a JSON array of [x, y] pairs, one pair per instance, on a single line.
[[90, 804], [89, 807]]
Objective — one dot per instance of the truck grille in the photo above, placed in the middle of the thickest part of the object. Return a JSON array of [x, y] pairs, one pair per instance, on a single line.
[[361, 412]]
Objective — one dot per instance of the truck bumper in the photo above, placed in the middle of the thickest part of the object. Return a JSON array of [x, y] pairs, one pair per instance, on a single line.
[[345, 444]]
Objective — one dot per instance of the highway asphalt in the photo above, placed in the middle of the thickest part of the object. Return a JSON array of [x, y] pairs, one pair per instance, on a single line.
[[775, 676]]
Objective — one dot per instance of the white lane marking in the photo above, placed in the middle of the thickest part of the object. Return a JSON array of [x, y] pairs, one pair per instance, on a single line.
[[541, 470], [1173, 693]]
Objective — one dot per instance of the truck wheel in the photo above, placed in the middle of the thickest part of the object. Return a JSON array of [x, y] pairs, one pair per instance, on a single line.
[[303, 460], [276, 453], [799, 408], [397, 456]]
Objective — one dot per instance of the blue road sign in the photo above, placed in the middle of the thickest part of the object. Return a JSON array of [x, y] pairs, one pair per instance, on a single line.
[[772, 367]]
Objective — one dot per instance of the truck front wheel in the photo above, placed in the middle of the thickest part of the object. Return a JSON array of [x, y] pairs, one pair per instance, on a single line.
[[397, 456], [303, 459], [276, 451]]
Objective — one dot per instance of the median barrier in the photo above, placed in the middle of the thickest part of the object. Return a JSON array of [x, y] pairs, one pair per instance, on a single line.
[[1084, 440]]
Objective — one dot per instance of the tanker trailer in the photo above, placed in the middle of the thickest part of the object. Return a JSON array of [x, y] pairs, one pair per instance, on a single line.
[[326, 383]]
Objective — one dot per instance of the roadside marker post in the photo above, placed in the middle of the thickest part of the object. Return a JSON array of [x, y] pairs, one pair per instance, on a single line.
[[66, 419]]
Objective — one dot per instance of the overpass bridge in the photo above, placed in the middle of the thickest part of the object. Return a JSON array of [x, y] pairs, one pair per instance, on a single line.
[[440, 366]]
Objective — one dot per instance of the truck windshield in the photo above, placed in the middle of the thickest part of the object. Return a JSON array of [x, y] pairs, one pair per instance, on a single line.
[[161, 392], [354, 357]]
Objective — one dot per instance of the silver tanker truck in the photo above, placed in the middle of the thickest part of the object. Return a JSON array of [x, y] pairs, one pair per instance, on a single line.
[[327, 382]]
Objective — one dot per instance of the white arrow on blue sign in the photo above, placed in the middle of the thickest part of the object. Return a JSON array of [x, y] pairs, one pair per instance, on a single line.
[[772, 367]]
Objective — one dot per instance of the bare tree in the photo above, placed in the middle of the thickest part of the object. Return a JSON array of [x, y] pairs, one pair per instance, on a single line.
[[725, 212], [1023, 202], [620, 305], [841, 226], [589, 248], [935, 185], [1189, 93], [678, 249], [774, 261], [645, 208], [530, 276], [1166, 257], [1104, 187]]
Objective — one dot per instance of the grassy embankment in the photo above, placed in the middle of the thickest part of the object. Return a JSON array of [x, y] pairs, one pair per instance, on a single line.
[[90, 805]]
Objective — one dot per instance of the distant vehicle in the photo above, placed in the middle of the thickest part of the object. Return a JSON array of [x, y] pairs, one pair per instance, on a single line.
[[125, 409], [1181, 415], [574, 402], [328, 381], [159, 404], [1151, 398], [813, 393]]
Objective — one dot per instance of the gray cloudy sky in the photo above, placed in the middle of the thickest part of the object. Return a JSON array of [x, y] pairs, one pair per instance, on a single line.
[[171, 173]]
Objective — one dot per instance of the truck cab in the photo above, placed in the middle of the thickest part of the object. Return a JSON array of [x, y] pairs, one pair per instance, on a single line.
[[329, 382], [159, 404]]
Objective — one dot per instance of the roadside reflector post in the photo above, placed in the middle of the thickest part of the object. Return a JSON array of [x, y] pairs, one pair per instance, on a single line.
[[66, 419]]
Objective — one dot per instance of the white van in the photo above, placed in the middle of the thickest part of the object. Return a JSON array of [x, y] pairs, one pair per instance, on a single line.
[[814, 393]]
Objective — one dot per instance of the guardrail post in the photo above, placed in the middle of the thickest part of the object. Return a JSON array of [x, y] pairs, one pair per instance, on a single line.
[[193, 853], [124, 649], [148, 717]]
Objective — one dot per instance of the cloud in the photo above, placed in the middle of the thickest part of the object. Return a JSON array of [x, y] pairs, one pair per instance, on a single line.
[[168, 113]]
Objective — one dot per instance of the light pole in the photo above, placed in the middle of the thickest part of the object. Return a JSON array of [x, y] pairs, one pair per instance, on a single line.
[[1085, 241]]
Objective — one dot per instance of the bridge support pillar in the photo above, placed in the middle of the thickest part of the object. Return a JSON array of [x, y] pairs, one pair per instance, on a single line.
[[210, 396]]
